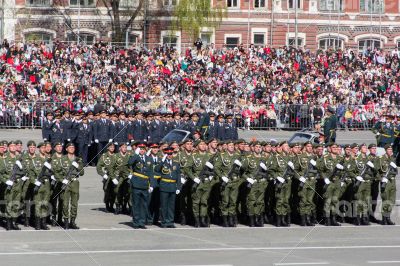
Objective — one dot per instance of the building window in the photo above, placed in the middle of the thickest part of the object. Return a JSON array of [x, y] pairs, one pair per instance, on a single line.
[[132, 38], [128, 3], [232, 3], [169, 2], [398, 44], [371, 6], [38, 2], [292, 42], [206, 38], [259, 3], [369, 43], [38, 37], [86, 38], [170, 41], [291, 4], [232, 42], [81, 3], [330, 42], [331, 5], [259, 39]]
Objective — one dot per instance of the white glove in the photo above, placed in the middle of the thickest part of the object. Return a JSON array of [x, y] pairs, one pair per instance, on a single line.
[[313, 163], [210, 177], [137, 151], [115, 181], [9, 183], [341, 184], [44, 139], [183, 180], [250, 180], [129, 176], [18, 163], [238, 163], [105, 176], [68, 140], [148, 152], [196, 180], [165, 157], [370, 164], [96, 141], [53, 178], [359, 178], [75, 164], [110, 140], [209, 165], [339, 166], [377, 133], [291, 165], [65, 181], [225, 179], [38, 183], [280, 179], [150, 189], [385, 180], [24, 178], [88, 145], [392, 164], [327, 181], [47, 165], [302, 179], [177, 192], [116, 143], [263, 166]]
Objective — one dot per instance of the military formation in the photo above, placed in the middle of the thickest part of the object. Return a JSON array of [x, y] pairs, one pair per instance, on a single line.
[[207, 182], [39, 185]]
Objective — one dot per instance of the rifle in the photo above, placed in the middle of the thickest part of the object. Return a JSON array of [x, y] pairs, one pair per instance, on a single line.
[[282, 179], [15, 172], [235, 168], [393, 168], [310, 167], [206, 172], [42, 174], [369, 164], [337, 168], [261, 171], [68, 177]]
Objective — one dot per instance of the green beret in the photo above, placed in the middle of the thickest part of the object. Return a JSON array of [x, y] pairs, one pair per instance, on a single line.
[[211, 140], [18, 142], [354, 145], [73, 145], [387, 146], [229, 142], [363, 144], [3, 143], [307, 142], [57, 143], [283, 142], [347, 146], [31, 143], [371, 146], [220, 143], [11, 143], [330, 144], [187, 140], [41, 144]]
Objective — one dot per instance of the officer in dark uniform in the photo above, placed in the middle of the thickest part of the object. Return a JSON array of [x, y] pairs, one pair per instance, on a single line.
[[231, 132], [92, 150], [47, 124], [153, 203], [57, 131], [66, 126], [114, 128], [156, 129], [140, 128], [76, 120], [122, 129], [330, 125], [204, 121], [177, 123], [142, 183], [102, 132], [220, 127], [170, 186], [168, 124], [212, 127], [384, 131], [84, 139]]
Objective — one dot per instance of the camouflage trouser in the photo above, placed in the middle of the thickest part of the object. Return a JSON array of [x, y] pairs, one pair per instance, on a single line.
[[255, 198], [229, 196], [388, 195], [70, 200], [13, 199], [282, 194], [200, 196], [306, 197], [41, 199], [331, 198], [363, 198]]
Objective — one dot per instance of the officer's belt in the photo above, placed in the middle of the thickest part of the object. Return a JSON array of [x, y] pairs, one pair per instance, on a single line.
[[332, 129], [140, 175], [386, 135], [168, 180], [157, 177], [204, 127]]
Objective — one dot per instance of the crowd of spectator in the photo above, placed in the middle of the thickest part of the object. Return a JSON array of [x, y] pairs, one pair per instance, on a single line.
[[261, 86]]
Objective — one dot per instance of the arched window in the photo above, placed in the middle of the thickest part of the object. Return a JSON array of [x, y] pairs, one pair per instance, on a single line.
[[38, 37], [363, 44], [83, 37], [330, 42]]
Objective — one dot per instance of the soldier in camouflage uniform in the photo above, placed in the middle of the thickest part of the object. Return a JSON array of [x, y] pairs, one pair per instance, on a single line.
[[105, 168], [388, 172], [269, 193], [228, 170], [29, 180], [121, 172], [201, 172], [184, 197], [59, 170]]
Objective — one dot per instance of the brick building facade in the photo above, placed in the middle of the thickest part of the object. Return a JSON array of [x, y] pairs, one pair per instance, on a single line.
[[320, 23]]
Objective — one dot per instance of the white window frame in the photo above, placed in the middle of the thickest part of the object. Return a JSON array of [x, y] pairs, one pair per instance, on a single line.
[[331, 10], [38, 30], [263, 7], [177, 34], [83, 6], [332, 37], [27, 4], [233, 7], [169, 4], [233, 36], [206, 30], [300, 35], [293, 8], [365, 11], [259, 31], [367, 39]]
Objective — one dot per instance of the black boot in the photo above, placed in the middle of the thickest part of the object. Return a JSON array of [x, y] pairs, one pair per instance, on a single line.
[[260, 221], [389, 222], [302, 220], [266, 218], [225, 221], [384, 220], [251, 220], [14, 224], [235, 220], [207, 221], [66, 224], [8, 226], [196, 222], [289, 219], [309, 221], [283, 221], [117, 209], [26, 221], [357, 220], [313, 218], [183, 219], [53, 221], [364, 220], [334, 222], [278, 221], [37, 224], [44, 224], [230, 220], [328, 220], [203, 221], [72, 224]]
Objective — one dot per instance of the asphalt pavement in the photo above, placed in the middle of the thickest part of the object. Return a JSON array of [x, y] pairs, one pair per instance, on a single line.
[[108, 239]]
